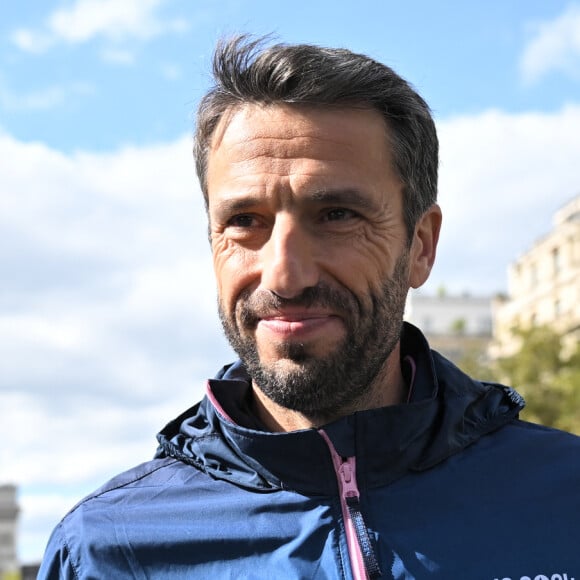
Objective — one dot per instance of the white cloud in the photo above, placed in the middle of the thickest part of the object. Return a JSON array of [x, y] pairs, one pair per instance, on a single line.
[[555, 46], [41, 100], [88, 19], [108, 324], [31, 41], [40, 514], [502, 177], [107, 266], [107, 308]]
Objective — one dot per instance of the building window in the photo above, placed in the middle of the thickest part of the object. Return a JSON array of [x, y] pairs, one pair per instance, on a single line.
[[484, 325], [517, 272], [533, 276], [556, 260]]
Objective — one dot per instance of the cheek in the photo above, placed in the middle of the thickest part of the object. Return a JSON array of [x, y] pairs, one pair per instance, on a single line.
[[368, 262], [233, 269]]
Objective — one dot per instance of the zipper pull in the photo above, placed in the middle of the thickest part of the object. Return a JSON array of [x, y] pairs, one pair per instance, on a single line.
[[347, 476], [351, 497]]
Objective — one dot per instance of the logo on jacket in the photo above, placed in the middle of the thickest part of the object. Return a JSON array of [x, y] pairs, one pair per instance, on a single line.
[[563, 576]]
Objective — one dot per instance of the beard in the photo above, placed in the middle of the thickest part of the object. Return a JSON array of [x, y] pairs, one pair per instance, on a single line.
[[323, 385]]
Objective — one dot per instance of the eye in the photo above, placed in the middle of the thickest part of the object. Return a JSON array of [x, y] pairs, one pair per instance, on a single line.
[[339, 214], [244, 220]]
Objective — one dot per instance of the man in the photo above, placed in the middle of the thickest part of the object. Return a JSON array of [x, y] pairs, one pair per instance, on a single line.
[[339, 446]]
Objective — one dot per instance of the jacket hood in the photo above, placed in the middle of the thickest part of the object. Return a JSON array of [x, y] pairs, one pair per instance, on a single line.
[[447, 411]]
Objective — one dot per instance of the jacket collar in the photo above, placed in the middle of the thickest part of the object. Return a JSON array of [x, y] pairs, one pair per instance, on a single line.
[[447, 411]]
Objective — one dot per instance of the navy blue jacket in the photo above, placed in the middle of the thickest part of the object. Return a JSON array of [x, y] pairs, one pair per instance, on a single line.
[[449, 486]]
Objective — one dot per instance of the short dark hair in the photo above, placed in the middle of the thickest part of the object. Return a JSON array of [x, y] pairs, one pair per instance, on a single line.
[[247, 71]]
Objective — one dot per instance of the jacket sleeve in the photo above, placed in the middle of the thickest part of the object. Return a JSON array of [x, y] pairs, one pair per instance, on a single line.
[[56, 562]]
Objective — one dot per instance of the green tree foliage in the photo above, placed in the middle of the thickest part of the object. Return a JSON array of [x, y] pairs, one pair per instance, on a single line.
[[475, 363], [458, 326], [547, 376], [10, 575]]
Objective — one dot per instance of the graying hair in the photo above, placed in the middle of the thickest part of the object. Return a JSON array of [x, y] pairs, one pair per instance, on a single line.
[[246, 71]]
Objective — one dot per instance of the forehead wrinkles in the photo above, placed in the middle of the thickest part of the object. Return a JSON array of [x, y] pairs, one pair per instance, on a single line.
[[267, 159], [311, 148], [295, 124], [248, 145], [259, 160], [301, 156]]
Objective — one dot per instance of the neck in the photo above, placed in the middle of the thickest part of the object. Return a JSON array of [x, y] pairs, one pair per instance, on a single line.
[[388, 388]]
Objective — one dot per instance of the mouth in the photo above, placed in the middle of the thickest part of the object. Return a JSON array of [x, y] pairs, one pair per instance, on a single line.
[[298, 325], [319, 312]]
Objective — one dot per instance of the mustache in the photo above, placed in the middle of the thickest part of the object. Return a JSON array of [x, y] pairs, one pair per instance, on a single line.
[[252, 306]]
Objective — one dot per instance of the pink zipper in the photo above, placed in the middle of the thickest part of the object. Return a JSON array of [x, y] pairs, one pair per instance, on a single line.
[[356, 532]]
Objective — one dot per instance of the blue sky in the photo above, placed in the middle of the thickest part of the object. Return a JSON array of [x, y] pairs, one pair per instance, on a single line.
[[76, 83], [107, 307]]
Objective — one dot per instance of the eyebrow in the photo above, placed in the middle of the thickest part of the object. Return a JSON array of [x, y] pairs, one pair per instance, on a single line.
[[237, 204], [348, 197]]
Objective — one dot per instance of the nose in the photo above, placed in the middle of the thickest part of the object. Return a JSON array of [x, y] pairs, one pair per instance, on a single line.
[[287, 261]]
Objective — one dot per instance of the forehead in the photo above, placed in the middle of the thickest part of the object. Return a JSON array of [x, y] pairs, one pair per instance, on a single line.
[[298, 139]]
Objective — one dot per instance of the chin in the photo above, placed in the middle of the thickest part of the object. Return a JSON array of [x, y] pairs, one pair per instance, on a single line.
[[297, 352]]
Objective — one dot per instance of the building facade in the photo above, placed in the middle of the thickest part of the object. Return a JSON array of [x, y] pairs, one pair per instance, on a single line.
[[543, 285], [9, 567], [455, 325]]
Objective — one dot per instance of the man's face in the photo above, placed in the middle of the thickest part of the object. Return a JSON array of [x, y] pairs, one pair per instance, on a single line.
[[310, 250]]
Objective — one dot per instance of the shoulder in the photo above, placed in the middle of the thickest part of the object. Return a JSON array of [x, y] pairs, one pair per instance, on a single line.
[[523, 452], [137, 486], [543, 442], [98, 523], [519, 436]]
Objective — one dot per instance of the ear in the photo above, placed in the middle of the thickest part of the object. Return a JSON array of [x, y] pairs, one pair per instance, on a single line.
[[424, 246]]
